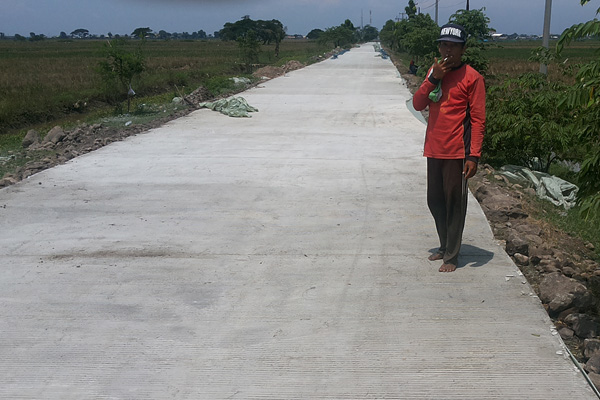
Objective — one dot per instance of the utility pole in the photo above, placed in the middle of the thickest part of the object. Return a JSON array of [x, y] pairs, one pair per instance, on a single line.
[[467, 5], [436, 11], [546, 40]]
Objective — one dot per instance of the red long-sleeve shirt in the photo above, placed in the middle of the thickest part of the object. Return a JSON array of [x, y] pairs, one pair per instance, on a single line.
[[457, 121]]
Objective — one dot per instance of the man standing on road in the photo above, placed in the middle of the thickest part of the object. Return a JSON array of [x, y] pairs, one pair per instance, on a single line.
[[455, 94]]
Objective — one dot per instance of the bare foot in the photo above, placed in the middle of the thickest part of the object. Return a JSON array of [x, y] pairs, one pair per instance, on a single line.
[[435, 257], [448, 268]]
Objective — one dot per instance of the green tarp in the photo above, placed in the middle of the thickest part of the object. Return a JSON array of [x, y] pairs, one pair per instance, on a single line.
[[233, 107], [547, 187]]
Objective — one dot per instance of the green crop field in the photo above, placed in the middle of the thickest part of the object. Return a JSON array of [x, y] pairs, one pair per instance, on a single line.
[[47, 81], [510, 59]]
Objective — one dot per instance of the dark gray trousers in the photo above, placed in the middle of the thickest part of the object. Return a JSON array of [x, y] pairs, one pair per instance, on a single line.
[[447, 201]]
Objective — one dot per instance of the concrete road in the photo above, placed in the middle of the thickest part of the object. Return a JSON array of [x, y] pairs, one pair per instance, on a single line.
[[282, 256]]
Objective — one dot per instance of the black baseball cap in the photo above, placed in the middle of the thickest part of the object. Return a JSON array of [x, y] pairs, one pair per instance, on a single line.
[[452, 33]]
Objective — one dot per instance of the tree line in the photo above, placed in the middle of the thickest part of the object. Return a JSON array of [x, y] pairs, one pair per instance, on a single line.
[[345, 34], [251, 34], [81, 33], [266, 32]]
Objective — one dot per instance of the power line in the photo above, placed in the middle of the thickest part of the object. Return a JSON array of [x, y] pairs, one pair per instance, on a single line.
[[453, 5], [425, 6], [428, 7]]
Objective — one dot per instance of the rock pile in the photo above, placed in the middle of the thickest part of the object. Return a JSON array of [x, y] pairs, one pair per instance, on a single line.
[[560, 268], [271, 72], [58, 146], [198, 96]]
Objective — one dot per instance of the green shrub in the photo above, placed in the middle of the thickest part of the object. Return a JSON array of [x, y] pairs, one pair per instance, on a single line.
[[525, 124]]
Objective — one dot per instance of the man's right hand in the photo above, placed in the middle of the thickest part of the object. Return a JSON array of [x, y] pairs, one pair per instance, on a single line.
[[440, 69]]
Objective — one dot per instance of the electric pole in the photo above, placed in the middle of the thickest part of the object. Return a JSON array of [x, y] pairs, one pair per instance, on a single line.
[[467, 5], [546, 40], [362, 26], [436, 11]]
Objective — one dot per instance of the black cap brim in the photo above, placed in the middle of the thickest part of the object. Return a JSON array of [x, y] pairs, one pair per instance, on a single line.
[[450, 39]]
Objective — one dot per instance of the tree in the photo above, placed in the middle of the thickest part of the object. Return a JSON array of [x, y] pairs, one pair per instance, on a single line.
[[141, 33], [348, 24], [369, 33], [355, 31], [250, 49], [271, 32], [235, 30], [314, 34], [584, 99], [80, 33], [120, 67], [63, 35], [411, 9], [416, 35], [266, 32], [476, 24], [36, 38], [420, 34], [388, 35], [340, 36]]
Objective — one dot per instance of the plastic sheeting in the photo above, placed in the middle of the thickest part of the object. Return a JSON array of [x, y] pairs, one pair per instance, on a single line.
[[233, 107], [547, 187]]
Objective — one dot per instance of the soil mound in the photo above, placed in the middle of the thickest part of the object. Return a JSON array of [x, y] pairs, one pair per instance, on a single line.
[[271, 72]]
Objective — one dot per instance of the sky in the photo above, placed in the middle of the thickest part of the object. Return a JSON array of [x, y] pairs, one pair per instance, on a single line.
[[50, 17]]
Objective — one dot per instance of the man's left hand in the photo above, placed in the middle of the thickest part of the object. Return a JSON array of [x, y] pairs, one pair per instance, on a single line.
[[470, 169]]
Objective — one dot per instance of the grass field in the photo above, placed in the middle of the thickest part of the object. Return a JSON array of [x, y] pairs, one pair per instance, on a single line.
[[42, 82], [510, 59]]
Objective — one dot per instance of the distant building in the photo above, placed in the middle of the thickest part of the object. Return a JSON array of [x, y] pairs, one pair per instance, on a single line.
[[516, 36]]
